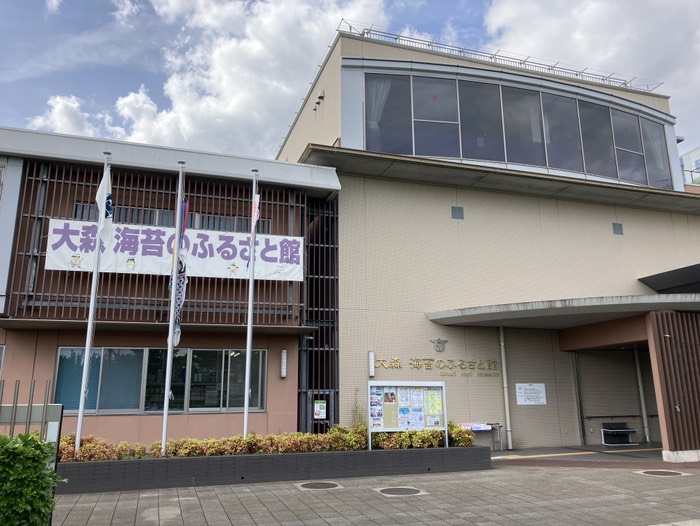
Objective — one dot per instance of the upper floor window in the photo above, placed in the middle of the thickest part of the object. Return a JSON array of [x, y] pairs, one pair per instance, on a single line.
[[388, 114], [132, 215], [448, 118], [481, 123]]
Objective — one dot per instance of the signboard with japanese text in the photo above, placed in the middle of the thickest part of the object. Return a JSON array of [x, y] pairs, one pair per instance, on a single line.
[[138, 249], [531, 394], [406, 406]]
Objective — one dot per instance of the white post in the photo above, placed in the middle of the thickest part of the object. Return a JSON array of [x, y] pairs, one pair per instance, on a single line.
[[251, 282], [173, 299], [506, 398], [91, 322]]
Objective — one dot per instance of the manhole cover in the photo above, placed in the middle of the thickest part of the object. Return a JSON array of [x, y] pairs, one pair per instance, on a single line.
[[319, 485], [662, 473], [399, 491]]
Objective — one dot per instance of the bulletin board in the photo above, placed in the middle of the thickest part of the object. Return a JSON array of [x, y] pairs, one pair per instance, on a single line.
[[405, 406]]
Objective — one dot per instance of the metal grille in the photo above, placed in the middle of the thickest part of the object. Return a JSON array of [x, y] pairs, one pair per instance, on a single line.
[[65, 190], [318, 353]]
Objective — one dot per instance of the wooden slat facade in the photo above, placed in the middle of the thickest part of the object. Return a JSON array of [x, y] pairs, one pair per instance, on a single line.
[[66, 191], [674, 346]]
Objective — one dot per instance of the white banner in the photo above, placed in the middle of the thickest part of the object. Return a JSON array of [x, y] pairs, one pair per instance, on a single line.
[[136, 249]]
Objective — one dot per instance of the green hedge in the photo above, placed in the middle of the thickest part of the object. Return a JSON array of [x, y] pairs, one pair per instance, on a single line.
[[338, 438], [26, 481]]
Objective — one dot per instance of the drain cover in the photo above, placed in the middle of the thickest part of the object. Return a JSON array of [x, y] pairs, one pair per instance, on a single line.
[[319, 485], [662, 473], [399, 491]]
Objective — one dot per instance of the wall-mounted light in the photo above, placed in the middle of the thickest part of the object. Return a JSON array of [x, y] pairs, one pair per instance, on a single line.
[[283, 364], [370, 355]]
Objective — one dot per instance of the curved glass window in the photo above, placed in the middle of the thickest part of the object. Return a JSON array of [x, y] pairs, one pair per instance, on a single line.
[[656, 155], [561, 132], [481, 123], [435, 125], [628, 147], [522, 119], [598, 153], [626, 128], [439, 117], [434, 99], [388, 113]]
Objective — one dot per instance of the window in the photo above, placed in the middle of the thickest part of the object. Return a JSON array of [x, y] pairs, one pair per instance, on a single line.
[[2, 351], [523, 125], [440, 117], [155, 380], [436, 128], [133, 380], [206, 377], [218, 379], [561, 132], [233, 224], [628, 147], [480, 115], [598, 153], [388, 114], [70, 376], [236, 379]]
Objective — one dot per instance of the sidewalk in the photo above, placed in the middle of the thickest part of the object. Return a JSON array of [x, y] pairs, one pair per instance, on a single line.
[[535, 487]]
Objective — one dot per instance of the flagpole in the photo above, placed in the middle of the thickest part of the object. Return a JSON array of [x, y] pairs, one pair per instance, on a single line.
[[251, 282], [91, 311], [173, 300]]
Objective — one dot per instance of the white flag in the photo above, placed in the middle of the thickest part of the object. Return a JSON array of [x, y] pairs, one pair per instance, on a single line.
[[105, 210]]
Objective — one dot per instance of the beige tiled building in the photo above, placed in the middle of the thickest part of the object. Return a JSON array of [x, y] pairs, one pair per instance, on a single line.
[[519, 231]]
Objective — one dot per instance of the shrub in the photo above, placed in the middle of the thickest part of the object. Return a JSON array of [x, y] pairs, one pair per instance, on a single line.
[[92, 448], [27, 482], [459, 437], [338, 438], [343, 438], [427, 438], [397, 440]]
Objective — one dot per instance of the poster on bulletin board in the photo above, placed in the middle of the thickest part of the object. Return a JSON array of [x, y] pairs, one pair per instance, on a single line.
[[406, 406]]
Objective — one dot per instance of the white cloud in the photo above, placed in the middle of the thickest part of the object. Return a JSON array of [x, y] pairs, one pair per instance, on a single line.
[[125, 9], [646, 39], [238, 72], [52, 6], [65, 116]]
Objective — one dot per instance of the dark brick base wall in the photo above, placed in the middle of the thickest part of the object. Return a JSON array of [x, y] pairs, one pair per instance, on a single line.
[[88, 477]]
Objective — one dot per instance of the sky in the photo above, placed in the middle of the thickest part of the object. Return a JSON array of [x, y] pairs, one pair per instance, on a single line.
[[228, 75]]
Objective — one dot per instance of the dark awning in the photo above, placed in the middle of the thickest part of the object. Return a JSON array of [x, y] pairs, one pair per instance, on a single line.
[[684, 280]]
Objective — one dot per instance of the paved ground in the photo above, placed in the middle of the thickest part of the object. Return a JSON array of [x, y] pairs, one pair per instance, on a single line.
[[535, 487]]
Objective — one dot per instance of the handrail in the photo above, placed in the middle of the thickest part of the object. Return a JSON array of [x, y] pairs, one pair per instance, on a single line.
[[504, 59]]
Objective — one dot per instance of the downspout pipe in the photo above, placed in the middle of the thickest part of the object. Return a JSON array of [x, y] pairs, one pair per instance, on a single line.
[[506, 398], [642, 399]]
